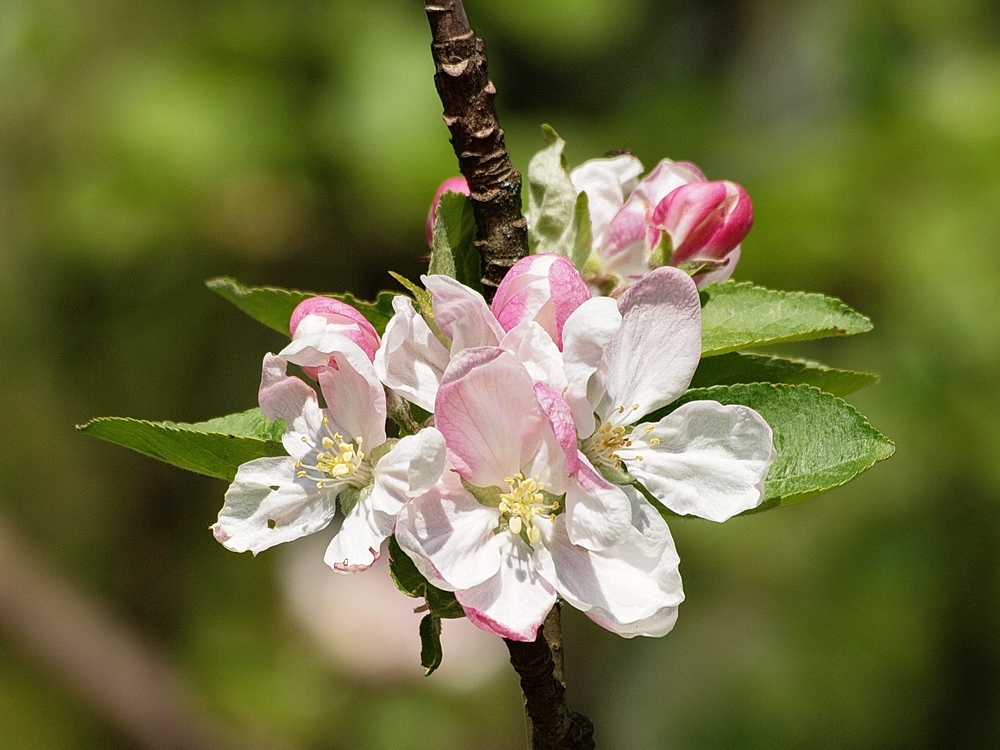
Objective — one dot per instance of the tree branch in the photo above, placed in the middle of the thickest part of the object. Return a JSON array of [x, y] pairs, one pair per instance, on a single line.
[[467, 93], [551, 725]]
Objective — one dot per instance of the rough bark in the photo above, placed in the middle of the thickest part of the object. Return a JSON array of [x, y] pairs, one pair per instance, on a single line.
[[467, 94], [551, 725]]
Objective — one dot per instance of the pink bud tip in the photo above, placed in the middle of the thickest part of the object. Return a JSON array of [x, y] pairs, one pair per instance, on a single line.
[[451, 185], [326, 313], [705, 220]]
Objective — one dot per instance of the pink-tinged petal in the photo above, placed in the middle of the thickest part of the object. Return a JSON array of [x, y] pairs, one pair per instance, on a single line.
[[489, 416], [410, 469], [338, 314], [598, 513], [535, 349], [705, 220], [514, 602], [560, 417], [265, 506], [462, 314], [411, 360], [357, 544], [355, 399], [282, 396], [652, 357], [606, 183], [544, 288], [450, 536], [703, 459], [720, 274], [588, 331], [629, 582], [451, 185]]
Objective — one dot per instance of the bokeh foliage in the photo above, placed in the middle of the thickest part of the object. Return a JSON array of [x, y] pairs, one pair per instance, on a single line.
[[147, 147]]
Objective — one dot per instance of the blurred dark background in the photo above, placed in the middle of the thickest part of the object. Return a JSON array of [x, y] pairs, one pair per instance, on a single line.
[[145, 147]]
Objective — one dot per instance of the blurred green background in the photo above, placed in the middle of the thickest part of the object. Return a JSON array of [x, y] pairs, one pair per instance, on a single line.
[[145, 147]]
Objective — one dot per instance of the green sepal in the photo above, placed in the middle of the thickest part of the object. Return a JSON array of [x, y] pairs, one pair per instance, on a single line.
[[424, 305], [740, 316], [560, 219], [822, 442], [348, 499], [453, 252], [430, 643], [273, 306], [215, 448], [742, 367]]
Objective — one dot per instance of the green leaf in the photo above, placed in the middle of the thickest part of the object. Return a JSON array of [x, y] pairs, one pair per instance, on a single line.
[[453, 253], [216, 447], [430, 644], [740, 316], [560, 220], [273, 306], [821, 440], [741, 367], [411, 582]]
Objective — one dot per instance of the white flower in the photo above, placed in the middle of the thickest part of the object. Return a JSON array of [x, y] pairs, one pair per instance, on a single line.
[[340, 451]]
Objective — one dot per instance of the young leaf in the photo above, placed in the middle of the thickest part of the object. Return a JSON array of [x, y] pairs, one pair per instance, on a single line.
[[453, 253], [430, 644], [560, 221], [740, 315], [216, 447], [741, 367], [821, 440], [273, 306]]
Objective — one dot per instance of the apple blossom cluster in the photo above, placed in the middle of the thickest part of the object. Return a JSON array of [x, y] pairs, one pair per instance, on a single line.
[[546, 450]]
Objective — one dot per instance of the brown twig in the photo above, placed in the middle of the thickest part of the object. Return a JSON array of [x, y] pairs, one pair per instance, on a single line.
[[551, 725], [467, 93]]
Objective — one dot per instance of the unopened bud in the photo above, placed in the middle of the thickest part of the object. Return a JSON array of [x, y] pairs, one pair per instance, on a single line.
[[451, 185]]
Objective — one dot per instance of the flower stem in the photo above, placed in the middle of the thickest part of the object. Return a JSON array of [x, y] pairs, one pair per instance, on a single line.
[[467, 93], [551, 725]]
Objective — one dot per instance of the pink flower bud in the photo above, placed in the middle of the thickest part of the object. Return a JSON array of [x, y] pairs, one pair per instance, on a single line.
[[451, 185], [318, 315], [705, 220], [545, 288]]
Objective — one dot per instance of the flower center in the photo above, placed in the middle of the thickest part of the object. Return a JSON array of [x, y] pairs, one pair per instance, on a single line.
[[603, 446], [523, 501], [336, 460]]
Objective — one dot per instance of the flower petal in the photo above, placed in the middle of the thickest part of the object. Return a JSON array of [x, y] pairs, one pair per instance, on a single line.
[[411, 360], [606, 183], [356, 545], [265, 506], [561, 418], [462, 314], [355, 399], [410, 469], [654, 626], [514, 602], [586, 334], [598, 513], [449, 536], [535, 349], [651, 359], [282, 396], [489, 416], [708, 460]]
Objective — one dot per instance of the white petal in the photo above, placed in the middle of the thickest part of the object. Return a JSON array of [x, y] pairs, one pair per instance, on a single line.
[[449, 536], [355, 399], [356, 545], [655, 626], [586, 334], [628, 582], [710, 460], [411, 360], [265, 506], [514, 602], [410, 469], [535, 349], [462, 314], [651, 359], [282, 396], [606, 183], [598, 513]]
